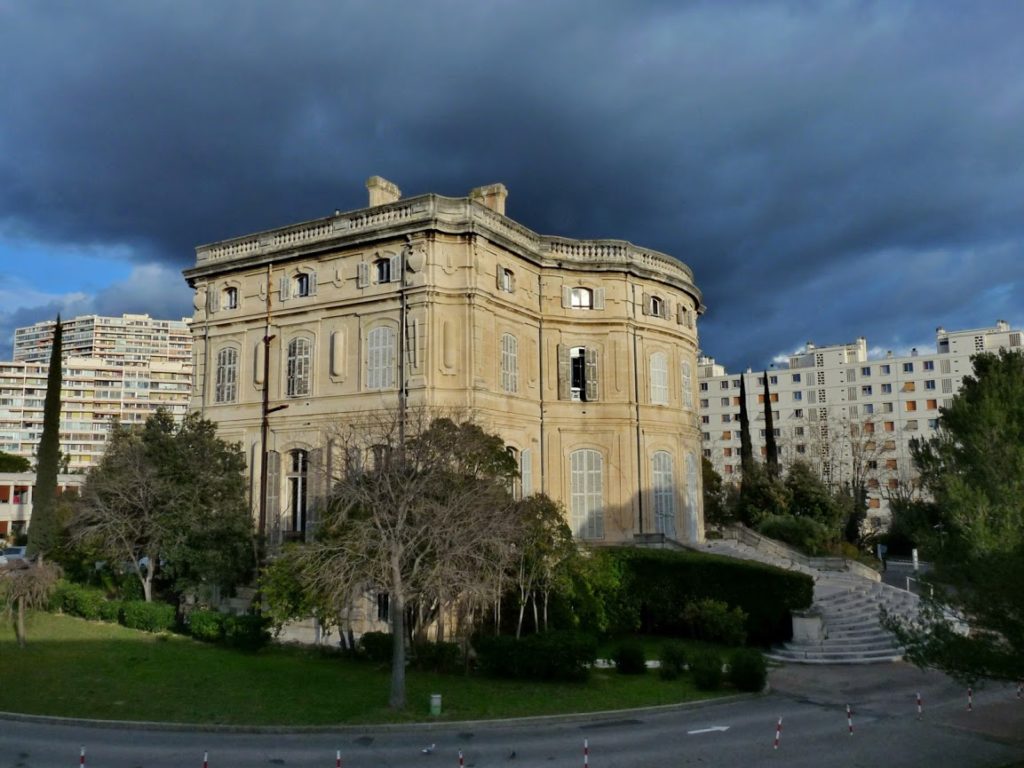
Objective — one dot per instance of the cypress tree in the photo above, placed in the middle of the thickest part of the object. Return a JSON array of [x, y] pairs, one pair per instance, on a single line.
[[746, 447], [42, 532], [769, 430]]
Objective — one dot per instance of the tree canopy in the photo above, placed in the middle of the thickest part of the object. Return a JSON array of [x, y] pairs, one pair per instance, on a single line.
[[170, 499], [11, 463], [973, 468]]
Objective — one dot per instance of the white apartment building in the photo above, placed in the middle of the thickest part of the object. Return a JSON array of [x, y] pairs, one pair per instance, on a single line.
[[127, 339], [849, 416], [95, 392], [16, 492]]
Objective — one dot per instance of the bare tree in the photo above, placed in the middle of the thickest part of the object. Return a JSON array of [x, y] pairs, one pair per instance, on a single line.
[[23, 585], [428, 520]]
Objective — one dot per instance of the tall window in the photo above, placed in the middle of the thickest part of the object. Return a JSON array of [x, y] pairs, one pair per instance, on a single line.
[[659, 378], [299, 362], [227, 376], [231, 298], [692, 527], [298, 472], [509, 363], [582, 298], [587, 494], [664, 494], [687, 377], [382, 270], [302, 287], [380, 358]]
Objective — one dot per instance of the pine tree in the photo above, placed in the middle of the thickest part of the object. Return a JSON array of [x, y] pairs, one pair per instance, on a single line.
[[42, 532], [769, 431], [746, 447]]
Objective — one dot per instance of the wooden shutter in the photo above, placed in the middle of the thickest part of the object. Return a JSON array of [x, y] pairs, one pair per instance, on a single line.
[[285, 288], [566, 296], [564, 373], [591, 374], [395, 268], [526, 472], [646, 306], [681, 314], [362, 274], [599, 298], [315, 488], [212, 299], [273, 488], [312, 282], [499, 273]]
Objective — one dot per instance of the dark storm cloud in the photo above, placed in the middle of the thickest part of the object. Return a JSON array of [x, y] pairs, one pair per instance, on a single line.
[[824, 168]]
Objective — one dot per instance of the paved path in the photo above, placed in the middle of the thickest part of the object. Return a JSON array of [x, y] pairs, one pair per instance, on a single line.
[[811, 702]]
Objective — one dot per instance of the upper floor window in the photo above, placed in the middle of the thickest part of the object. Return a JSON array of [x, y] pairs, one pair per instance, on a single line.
[[300, 284], [796, 378], [659, 379], [380, 358], [657, 306], [929, 365], [506, 280], [687, 383], [382, 271], [908, 367], [226, 389], [297, 477], [885, 370], [299, 363], [509, 363], [582, 298], [577, 373], [230, 298], [586, 505], [664, 493]]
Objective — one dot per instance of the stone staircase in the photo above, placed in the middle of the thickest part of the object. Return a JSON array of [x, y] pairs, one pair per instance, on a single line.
[[847, 599]]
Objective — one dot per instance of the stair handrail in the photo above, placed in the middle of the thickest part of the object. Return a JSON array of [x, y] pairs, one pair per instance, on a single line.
[[770, 546]]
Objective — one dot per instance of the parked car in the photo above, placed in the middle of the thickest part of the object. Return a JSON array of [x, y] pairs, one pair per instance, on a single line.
[[14, 553]]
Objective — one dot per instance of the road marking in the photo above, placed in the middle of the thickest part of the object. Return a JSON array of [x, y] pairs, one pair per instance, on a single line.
[[720, 728]]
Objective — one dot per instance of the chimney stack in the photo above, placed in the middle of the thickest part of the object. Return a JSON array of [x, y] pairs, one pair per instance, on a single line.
[[382, 191], [493, 196]]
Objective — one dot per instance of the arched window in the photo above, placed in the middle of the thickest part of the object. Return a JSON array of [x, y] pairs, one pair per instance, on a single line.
[[299, 365], [380, 358], [298, 473], [664, 493], [509, 363], [657, 306], [687, 385], [586, 468], [659, 378], [226, 390]]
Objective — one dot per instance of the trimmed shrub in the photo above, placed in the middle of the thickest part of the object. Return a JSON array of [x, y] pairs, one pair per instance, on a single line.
[[110, 610], [706, 668], [630, 659], [564, 655], [59, 595], [207, 626], [77, 600], [652, 588], [805, 534], [716, 622], [149, 617], [246, 633], [673, 661], [747, 670], [436, 657], [376, 646]]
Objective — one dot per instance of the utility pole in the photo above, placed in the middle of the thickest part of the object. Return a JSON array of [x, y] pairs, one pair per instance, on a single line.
[[266, 410]]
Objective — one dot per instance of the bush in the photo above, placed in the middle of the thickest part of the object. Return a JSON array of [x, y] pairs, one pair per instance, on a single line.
[[805, 534], [248, 632], [110, 610], [207, 626], [706, 668], [652, 587], [673, 661], [76, 600], [376, 646], [149, 617], [436, 657], [630, 659], [747, 670], [564, 655], [714, 621]]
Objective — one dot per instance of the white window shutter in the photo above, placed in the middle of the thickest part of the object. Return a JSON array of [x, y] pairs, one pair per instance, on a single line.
[[646, 308], [564, 373], [681, 314], [285, 290], [499, 273], [566, 296], [599, 298], [212, 299], [512, 282], [666, 309], [526, 472], [362, 274], [591, 374], [312, 282], [396, 269]]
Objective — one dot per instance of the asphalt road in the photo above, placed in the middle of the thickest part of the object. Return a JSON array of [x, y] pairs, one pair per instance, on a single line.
[[811, 702]]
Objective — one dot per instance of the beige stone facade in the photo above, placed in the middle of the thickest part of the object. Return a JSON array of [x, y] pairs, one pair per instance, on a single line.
[[581, 354]]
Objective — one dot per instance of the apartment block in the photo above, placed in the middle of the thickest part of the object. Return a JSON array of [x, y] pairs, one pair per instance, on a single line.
[[849, 416], [16, 491], [126, 340], [94, 393]]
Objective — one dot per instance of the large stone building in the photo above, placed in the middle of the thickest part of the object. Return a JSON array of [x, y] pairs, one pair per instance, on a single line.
[[581, 354], [850, 416]]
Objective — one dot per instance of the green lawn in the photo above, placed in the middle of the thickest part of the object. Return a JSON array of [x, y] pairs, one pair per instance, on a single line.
[[77, 668]]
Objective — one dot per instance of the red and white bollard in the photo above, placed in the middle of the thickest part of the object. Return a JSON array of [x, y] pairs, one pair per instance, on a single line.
[[461, 763], [206, 760], [81, 757], [1019, 686], [970, 699], [337, 759], [586, 754], [778, 734], [918, 706], [849, 719]]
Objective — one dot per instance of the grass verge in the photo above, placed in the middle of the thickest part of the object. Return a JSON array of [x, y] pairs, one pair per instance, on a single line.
[[77, 668]]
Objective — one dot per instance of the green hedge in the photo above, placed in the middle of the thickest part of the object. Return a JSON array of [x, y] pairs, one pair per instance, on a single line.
[[629, 658], [706, 668], [77, 600], [248, 632], [747, 670], [149, 617], [564, 655], [207, 626], [437, 657], [376, 646], [805, 534], [653, 587]]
